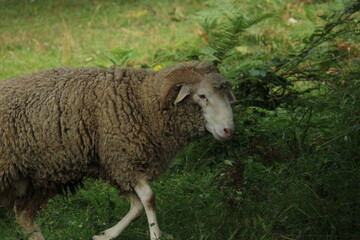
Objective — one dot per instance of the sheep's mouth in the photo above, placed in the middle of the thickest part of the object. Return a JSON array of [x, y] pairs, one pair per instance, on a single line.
[[215, 135]]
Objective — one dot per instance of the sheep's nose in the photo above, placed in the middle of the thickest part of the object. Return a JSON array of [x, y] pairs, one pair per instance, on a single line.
[[228, 132]]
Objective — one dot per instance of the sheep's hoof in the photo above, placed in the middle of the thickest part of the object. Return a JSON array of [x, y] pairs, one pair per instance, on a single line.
[[36, 236], [102, 236]]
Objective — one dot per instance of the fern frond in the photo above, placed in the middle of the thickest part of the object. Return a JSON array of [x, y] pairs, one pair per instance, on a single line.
[[226, 27], [256, 39], [257, 19], [208, 24], [252, 39]]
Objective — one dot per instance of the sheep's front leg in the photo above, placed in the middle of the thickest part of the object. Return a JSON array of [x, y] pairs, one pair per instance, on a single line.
[[147, 198], [135, 212]]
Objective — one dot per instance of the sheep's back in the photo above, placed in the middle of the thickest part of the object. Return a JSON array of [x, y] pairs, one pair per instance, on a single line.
[[49, 122], [58, 126]]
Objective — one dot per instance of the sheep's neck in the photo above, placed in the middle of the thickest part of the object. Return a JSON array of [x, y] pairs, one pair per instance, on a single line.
[[174, 126]]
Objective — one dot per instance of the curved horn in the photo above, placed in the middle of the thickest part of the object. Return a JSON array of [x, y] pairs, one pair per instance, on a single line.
[[177, 76], [206, 67]]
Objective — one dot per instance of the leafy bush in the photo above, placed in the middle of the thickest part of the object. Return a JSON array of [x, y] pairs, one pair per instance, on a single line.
[[292, 168]]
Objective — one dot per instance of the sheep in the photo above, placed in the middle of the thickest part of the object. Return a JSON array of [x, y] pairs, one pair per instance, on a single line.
[[121, 125]]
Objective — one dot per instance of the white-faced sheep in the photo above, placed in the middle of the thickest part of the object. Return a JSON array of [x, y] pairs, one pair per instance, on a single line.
[[60, 126]]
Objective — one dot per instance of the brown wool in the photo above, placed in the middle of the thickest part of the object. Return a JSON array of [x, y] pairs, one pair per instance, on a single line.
[[62, 125]]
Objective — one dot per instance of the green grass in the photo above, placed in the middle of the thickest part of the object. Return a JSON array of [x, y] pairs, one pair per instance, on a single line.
[[290, 172], [44, 34]]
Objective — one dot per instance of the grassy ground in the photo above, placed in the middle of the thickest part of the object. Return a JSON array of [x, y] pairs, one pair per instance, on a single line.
[[43, 34], [304, 194]]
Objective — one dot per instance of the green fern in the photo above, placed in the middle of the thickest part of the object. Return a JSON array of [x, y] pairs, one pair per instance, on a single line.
[[257, 19], [225, 31], [208, 24]]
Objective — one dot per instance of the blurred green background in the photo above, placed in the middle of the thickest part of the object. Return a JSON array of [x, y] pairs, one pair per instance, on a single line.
[[292, 170]]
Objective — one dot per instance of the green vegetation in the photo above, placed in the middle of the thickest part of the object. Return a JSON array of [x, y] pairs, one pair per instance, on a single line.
[[291, 171]]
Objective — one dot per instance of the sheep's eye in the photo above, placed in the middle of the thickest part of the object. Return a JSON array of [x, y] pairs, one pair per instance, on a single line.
[[202, 96]]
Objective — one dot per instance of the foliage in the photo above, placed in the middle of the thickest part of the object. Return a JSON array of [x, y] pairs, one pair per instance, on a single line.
[[276, 81], [292, 169], [224, 30], [300, 143]]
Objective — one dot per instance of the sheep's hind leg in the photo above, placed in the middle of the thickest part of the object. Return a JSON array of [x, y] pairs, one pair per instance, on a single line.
[[147, 198], [25, 219], [135, 212]]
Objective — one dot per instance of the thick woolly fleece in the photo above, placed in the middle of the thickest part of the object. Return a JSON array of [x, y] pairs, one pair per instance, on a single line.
[[60, 126]]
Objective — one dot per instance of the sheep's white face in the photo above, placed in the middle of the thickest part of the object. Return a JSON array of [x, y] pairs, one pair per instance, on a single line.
[[214, 96]]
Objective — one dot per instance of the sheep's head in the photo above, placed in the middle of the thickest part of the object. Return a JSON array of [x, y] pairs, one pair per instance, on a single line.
[[204, 86]]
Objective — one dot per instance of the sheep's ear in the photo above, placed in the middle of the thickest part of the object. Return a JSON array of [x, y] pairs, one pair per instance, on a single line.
[[177, 76], [184, 91], [230, 96]]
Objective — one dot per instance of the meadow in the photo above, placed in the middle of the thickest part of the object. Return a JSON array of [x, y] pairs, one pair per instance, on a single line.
[[292, 169]]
